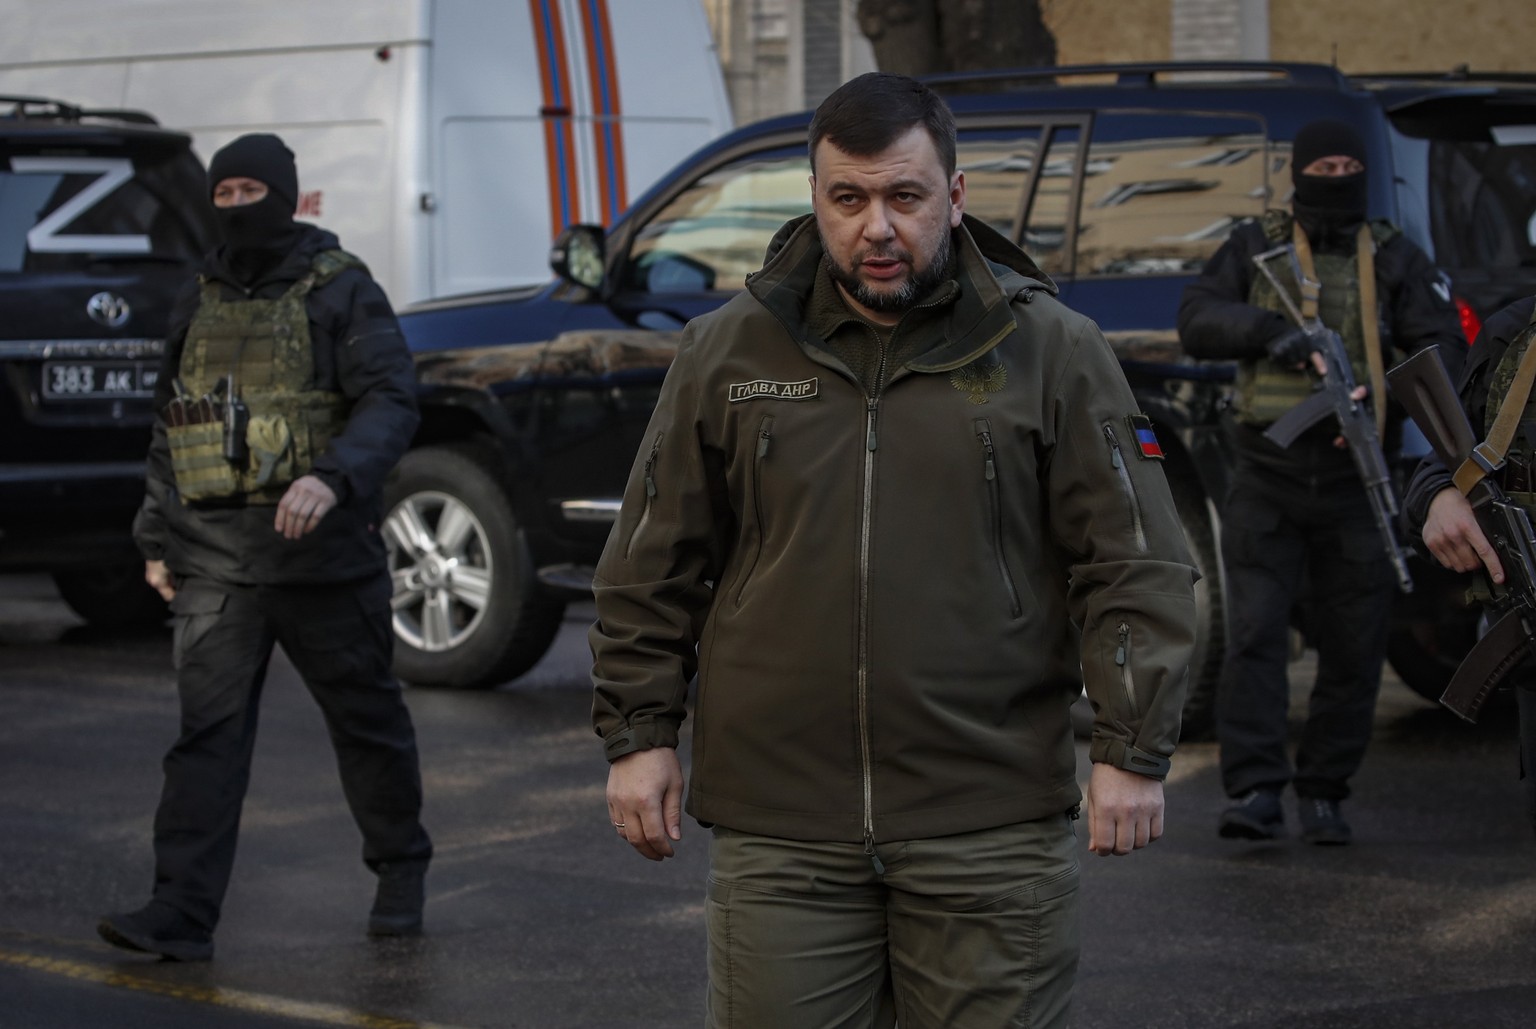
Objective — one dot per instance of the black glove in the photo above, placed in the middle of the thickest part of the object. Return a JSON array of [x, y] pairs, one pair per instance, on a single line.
[[1292, 347]]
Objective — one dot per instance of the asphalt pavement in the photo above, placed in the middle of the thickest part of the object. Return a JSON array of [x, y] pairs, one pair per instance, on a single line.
[[538, 917]]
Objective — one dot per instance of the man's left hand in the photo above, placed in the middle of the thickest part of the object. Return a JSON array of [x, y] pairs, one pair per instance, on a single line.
[[1125, 810], [302, 507]]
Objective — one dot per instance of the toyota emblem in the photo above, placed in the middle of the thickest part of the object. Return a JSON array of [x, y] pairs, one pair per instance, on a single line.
[[108, 309]]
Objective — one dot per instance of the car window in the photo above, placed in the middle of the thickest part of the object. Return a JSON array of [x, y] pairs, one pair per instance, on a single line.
[[1161, 193], [1050, 212], [1483, 199], [997, 166], [62, 212], [714, 233]]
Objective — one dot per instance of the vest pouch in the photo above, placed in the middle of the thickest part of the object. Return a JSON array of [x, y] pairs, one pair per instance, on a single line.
[[197, 459], [1265, 391], [270, 439], [318, 423]]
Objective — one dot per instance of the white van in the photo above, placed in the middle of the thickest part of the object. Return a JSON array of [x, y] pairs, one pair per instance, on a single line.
[[445, 141]]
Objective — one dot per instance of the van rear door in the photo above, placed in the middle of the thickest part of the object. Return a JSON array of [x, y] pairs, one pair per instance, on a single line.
[[1466, 178], [552, 113]]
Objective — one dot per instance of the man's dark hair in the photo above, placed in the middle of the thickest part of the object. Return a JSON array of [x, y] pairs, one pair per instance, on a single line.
[[865, 115]]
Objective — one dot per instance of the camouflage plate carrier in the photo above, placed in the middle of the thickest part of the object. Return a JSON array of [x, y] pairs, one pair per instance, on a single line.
[[262, 351], [1265, 390], [1522, 449]]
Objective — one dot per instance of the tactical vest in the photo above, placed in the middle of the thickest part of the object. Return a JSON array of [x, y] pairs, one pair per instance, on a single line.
[[1520, 460], [1266, 390], [261, 350]]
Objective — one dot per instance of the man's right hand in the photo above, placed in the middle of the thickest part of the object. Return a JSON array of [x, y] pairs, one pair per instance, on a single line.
[[1452, 534], [159, 577], [645, 800], [1292, 348]]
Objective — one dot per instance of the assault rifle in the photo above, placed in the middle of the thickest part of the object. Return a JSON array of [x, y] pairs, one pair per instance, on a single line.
[[1333, 394], [1425, 391]]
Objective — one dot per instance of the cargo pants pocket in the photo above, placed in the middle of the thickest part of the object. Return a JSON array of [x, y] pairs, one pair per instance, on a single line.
[[196, 610]]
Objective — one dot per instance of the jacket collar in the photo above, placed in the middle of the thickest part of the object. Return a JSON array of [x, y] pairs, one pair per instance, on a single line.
[[990, 273]]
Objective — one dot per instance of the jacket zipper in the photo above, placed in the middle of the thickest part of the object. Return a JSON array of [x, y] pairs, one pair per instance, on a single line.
[[994, 495], [1117, 459], [871, 442], [764, 440], [1123, 659], [650, 495]]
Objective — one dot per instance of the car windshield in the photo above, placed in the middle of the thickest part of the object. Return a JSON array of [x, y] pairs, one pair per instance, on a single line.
[[66, 212]]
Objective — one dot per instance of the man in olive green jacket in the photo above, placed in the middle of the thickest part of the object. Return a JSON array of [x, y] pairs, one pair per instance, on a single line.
[[895, 506]]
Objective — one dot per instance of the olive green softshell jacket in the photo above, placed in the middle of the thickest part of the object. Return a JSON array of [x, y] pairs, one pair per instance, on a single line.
[[879, 595]]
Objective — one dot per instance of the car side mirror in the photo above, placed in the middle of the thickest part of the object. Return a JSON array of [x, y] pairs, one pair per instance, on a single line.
[[577, 255]]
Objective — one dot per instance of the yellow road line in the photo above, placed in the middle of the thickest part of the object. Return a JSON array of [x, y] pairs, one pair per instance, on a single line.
[[243, 1000]]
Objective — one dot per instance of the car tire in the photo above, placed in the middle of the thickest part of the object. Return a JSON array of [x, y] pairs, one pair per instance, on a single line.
[[1433, 628], [111, 596], [1198, 517], [468, 611]]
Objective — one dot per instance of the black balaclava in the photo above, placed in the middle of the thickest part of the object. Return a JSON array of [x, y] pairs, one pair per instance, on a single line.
[[1328, 205], [257, 236]]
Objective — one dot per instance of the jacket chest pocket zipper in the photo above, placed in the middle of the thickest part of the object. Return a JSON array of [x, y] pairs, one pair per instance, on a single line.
[[764, 442], [994, 495], [1123, 659], [1117, 461], [650, 495]]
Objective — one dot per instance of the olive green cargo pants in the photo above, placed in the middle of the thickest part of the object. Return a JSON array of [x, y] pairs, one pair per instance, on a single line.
[[976, 931]]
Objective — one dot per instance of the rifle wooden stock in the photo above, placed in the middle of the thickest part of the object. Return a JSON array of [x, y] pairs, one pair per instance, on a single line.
[[1422, 385]]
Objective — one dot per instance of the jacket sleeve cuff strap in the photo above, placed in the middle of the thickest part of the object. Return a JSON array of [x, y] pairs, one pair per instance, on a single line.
[[1123, 755], [641, 736]]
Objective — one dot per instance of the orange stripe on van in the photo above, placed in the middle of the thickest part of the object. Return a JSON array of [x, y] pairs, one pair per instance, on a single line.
[[559, 141], [607, 125]]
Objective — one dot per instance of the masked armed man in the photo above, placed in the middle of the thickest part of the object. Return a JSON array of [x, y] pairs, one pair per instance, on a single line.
[[286, 396], [1301, 513]]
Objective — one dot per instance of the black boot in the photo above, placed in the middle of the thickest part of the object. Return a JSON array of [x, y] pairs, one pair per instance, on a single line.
[[1322, 823], [398, 901], [158, 928], [1257, 815]]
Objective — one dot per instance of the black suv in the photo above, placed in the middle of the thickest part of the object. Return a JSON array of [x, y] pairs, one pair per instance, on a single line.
[[103, 215], [1119, 180]]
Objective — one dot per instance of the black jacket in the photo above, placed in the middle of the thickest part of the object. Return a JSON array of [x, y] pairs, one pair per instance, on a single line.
[[359, 352], [1216, 321], [1499, 331]]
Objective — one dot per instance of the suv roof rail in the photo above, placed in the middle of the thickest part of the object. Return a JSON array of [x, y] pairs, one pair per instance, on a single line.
[[1145, 73], [1460, 73], [24, 107]]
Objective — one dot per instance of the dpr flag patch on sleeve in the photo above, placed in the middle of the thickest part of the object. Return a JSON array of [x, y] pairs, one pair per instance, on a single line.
[[1147, 445]]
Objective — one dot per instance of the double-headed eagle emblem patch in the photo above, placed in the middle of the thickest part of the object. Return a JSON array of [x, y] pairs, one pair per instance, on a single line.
[[977, 380]]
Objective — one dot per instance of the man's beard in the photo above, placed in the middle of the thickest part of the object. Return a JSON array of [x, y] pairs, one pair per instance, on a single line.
[[901, 298]]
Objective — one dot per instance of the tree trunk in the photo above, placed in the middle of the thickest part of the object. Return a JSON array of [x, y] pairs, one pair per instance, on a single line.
[[921, 37], [905, 34]]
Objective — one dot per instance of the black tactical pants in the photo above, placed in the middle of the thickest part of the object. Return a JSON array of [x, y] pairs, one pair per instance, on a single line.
[[339, 639], [1273, 535], [1525, 701]]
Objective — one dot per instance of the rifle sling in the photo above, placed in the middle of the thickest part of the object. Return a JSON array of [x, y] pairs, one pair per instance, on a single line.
[[1365, 254], [1489, 455]]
